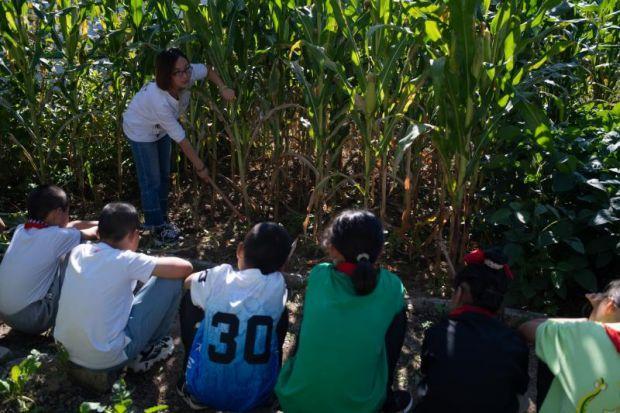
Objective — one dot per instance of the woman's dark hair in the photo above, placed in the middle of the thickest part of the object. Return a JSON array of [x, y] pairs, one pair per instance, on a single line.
[[164, 66], [358, 236], [117, 219], [44, 199], [486, 285], [266, 247]]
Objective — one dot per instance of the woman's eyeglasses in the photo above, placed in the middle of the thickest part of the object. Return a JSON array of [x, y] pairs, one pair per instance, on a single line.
[[187, 71]]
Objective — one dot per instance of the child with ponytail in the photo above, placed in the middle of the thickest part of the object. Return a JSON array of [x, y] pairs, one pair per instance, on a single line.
[[353, 328]]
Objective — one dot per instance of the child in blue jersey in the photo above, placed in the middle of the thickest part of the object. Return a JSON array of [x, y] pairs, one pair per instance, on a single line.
[[234, 357]]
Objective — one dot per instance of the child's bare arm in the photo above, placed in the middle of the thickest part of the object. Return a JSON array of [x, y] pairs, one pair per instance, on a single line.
[[528, 329], [87, 228], [82, 225], [90, 234], [172, 267], [187, 284]]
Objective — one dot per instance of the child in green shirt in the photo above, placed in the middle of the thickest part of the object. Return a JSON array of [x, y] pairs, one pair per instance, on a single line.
[[583, 355], [353, 328]]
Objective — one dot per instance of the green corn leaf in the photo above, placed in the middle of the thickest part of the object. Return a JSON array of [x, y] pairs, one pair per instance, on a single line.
[[154, 409], [11, 21], [136, 12], [413, 132], [509, 49], [432, 30]]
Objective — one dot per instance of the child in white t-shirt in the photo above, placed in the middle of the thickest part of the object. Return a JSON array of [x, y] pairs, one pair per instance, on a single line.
[[31, 271], [100, 322], [236, 354]]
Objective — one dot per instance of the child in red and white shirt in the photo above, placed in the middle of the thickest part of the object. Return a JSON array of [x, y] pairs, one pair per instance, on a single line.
[[31, 271]]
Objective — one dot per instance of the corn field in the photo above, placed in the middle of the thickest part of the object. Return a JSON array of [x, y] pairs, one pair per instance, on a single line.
[[397, 106]]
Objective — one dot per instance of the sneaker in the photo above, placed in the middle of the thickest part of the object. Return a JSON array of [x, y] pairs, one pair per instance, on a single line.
[[167, 234], [152, 354], [400, 402], [171, 226], [188, 398]]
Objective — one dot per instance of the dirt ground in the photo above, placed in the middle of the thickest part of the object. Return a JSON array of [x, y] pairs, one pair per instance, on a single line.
[[52, 391]]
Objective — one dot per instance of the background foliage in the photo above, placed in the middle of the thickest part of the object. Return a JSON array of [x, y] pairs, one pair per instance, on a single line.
[[473, 122]]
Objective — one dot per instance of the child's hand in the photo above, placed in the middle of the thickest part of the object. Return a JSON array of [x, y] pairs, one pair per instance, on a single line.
[[227, 94], [82, 225], [90, 234]]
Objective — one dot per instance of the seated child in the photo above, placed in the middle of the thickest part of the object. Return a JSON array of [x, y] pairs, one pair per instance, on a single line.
[[353, 328], [100, 322], [30, 273], [235, 356], [471, 361], [583, 355]]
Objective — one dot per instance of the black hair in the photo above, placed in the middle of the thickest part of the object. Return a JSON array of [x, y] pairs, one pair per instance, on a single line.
[[486, 285], [44, 199], [117, 219], [164, 66], [266, 247], [358, 236]]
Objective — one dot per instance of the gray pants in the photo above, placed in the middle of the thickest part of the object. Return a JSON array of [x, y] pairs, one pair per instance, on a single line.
[[40, 316]]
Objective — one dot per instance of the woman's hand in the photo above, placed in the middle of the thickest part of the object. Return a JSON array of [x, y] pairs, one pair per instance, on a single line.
[[203, 173], [227, 94]]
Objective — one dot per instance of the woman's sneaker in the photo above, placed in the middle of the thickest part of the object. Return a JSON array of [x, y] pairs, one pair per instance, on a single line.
[[401, 401], [152, 354], [168, 233], [188, 398]]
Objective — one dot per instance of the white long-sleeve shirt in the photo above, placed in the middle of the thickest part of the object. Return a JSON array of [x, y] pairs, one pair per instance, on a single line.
[[153, 112]]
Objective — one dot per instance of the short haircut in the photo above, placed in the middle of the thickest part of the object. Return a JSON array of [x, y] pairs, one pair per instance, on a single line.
[[164, 66], [117, 219], [487, 286], [44, 199], [266, 247]]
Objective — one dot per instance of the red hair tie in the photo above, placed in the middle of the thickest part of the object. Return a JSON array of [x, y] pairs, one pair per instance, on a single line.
[[477, 256]]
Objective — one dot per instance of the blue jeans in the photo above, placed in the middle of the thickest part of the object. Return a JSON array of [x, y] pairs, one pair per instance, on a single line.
[[152, 161], [152, 313]]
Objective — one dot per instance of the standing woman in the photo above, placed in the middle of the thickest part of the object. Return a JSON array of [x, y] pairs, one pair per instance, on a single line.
[[151, 121]]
